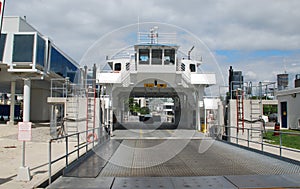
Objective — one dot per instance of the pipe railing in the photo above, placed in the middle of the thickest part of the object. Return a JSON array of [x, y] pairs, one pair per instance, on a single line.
[[88, 144], [262, 142]]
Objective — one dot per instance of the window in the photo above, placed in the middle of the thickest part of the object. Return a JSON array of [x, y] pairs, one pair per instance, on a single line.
[[143, 56], [40, 54], [182, 67], [156, 56], [118, 67], [192, 67], [2, 45], [23, 48], [127, 66], [62, 66], [169, 57]]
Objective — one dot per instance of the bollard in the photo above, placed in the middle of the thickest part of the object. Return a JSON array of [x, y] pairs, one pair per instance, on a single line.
[[276, 129]]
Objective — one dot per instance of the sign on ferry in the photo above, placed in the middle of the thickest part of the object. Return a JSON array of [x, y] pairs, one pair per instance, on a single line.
[[24, 131], [149, 85]]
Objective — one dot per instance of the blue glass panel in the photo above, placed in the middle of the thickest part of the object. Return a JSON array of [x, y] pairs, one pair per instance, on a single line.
[[40, 53], [23, 48], [2, 45], [61, 65]]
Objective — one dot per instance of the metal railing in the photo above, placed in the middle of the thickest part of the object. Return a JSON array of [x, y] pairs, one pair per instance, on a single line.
[[262, 142], [87, 144]]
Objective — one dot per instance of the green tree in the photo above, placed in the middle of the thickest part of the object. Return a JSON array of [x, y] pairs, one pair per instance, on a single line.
[[144, 110]]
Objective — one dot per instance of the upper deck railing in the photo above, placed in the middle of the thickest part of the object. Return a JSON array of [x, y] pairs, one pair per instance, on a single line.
[[157, 38]]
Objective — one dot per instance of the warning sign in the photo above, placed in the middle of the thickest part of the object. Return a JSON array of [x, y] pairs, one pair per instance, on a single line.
[[24, 131]]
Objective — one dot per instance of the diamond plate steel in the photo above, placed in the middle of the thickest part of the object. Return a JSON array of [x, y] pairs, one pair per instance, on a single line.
[[142, 183], [220, 159], [263, 181], [73, 182], [202, 182]]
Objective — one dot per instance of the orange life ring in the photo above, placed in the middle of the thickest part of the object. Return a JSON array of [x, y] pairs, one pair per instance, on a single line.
[[92, 135]]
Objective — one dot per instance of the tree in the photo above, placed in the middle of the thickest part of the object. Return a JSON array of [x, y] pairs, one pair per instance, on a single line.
[[144, 110]]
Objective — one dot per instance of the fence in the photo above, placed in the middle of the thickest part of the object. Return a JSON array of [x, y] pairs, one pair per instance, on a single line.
[[92, 140]]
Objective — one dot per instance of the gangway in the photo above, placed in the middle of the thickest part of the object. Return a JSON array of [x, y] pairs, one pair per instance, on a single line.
[[137, 163]]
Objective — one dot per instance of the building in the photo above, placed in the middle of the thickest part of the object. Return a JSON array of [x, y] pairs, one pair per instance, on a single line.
[[288, 108], [30, 60]]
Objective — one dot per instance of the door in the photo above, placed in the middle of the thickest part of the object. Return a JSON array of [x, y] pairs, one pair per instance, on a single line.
[[283, 106]]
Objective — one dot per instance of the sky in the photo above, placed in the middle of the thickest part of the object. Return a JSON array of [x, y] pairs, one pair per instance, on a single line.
[[259, 37]]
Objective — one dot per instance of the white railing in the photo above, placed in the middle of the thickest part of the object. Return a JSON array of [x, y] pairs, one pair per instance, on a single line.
[[156, 38]]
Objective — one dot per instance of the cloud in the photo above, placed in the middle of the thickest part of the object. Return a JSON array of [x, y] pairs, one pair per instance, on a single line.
[[241, 25]]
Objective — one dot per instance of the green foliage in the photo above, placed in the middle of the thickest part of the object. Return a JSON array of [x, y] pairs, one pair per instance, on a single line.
[[134, 107], [144, 110], [288, 140], [269, 109]]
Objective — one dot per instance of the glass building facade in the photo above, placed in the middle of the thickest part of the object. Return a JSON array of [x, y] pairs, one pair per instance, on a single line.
[[61, 65], [23, 48], [31, 48], [2, 45]]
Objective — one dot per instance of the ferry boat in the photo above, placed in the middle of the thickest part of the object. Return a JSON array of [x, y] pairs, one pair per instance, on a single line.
[[156, 69]]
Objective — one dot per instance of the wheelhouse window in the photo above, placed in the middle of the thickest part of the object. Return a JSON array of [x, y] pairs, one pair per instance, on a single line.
[[192, 67], [118, 67], [169, 57], [156, 56], [144, 56]]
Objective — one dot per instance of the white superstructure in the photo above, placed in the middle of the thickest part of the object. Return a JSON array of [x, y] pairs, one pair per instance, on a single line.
[[156, 70]]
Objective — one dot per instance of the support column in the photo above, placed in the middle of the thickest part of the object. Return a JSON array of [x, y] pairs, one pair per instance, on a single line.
[[198, 122], [12, 103], [24, 171]]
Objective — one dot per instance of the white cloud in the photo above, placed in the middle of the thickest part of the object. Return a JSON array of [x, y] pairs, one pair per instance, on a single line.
[[233, 25]]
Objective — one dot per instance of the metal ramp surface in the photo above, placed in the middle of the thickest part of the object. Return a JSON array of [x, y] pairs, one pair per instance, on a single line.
[[220, 166]]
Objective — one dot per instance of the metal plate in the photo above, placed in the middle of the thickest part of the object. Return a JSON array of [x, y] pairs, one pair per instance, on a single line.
[[202, 182], [73, 182], [142, 183], [261, 181]]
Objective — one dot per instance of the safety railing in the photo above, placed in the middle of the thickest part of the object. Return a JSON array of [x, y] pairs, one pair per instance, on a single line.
[[84, 142], [262, 144], [59, 87]]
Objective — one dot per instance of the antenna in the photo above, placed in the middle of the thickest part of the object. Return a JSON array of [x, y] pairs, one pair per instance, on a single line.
[[284, 64], [189, 53], [138, 24]]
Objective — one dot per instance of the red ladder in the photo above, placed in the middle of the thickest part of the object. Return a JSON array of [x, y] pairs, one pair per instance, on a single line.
[[240, 109]]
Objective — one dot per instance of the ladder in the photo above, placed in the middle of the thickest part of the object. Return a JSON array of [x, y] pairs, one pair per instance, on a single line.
[[90, 107], [255, 115], [240, 109], [72, 114]]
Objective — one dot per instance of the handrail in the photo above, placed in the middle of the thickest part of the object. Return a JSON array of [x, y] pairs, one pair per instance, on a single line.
[[79, 146], [262, 142]]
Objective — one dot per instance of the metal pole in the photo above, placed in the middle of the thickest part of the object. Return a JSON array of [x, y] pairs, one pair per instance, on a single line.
[[237, 138], [280, 147], [77, 145], [12, 103], [49, 165], [67, 151], [248, 137], [262, 142], [24, 172]]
